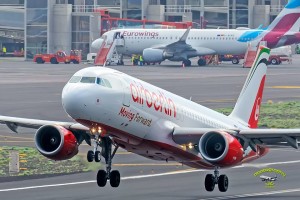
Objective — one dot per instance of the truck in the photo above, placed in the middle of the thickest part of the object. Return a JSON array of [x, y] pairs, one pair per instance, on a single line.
[[277, 56], [59, 57]]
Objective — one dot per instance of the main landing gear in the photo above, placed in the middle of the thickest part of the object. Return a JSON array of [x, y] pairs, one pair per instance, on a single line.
[[106, 151], [212, 179]]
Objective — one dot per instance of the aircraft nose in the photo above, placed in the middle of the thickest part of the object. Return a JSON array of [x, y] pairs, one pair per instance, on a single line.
[[74, 101], [97, 44]]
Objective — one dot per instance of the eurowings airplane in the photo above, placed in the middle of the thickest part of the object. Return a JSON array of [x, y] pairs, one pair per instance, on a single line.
[[157, 45], [113, 109]]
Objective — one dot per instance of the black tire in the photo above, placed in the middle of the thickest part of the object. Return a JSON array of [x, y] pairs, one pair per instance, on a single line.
[[90, 156], [97, 156], [274, 61], [53, 61], [75, 61], [209, 183], [101, 178], [115, 178], [201, 62], [187, 63], [235, 61], [39, 60], [223, 183]]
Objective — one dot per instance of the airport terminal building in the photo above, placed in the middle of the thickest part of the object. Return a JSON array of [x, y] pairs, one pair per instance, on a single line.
[[45, 26]]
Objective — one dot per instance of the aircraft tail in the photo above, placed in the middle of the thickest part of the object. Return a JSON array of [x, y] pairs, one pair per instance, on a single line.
[[287, 18], [284, 27], [248, 104]]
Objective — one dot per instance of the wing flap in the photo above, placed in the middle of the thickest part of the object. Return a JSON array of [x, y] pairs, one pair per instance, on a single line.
[[281, 137], [278, 137], [183, 135]]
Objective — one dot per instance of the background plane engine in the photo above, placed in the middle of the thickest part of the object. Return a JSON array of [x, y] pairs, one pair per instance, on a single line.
[[56, 142], [220, 148], [155, 55]]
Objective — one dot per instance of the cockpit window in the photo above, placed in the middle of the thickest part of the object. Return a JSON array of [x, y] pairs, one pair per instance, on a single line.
[[75, 79], [107, 83], [104, 82], [86, 79]]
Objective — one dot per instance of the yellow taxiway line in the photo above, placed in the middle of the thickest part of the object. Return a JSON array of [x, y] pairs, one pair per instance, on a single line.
[[285, 87]]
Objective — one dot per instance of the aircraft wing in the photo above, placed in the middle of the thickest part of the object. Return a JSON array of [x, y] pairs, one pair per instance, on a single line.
[[269, 137], [14, 122], [181, 46]]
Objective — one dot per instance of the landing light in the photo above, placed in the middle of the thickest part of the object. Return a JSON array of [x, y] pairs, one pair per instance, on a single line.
[[190, 145]]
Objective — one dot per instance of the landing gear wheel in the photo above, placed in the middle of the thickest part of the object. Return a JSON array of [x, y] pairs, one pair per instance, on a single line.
[[90, 156], [101, 178], [97, 156], [201, 62], [223, 183], [209, 182], [187, 63], [115, 178], [108, 153]]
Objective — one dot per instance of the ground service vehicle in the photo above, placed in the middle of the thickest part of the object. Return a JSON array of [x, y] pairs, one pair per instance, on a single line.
[[59, 56]]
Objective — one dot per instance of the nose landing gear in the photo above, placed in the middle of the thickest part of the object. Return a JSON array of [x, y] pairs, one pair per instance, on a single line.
[[212, 179], [106, 151]]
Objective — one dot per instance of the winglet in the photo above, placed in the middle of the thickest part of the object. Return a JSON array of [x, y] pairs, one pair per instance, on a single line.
[[248, 104], [185, 35]]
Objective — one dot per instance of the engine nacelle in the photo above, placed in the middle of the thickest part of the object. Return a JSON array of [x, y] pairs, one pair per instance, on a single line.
[[220, 148], [56, 142], [155, 55]]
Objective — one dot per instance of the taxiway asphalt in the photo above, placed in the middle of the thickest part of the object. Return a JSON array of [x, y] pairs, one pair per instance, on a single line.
[[34, 91]]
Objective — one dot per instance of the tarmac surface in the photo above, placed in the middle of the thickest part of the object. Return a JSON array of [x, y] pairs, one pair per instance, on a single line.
[[34, 91]]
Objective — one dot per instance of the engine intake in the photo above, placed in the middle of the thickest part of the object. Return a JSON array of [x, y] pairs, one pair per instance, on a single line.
[[220, 148], [56, 142]]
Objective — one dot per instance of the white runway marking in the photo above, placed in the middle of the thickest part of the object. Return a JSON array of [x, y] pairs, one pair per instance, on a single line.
[[93, 181], [254, 194], [149, 176]]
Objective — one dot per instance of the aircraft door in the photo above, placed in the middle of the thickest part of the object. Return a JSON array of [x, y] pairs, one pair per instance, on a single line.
[[126, 96]]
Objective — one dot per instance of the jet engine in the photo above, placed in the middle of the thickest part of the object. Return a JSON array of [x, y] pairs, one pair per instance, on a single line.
[[56, 142], [220, 148], [155, 55]]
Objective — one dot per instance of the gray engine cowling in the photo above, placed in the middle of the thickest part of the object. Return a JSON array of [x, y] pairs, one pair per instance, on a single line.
[[155, 55]]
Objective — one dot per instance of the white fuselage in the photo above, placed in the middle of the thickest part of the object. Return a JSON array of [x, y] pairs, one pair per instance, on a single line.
[[222, 41], [135, 112]]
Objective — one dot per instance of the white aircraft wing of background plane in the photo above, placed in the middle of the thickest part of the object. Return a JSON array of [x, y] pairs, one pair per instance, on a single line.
[[179, 49]]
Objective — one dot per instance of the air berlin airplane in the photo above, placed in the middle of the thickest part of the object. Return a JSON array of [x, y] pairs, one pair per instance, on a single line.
[[113, 110]]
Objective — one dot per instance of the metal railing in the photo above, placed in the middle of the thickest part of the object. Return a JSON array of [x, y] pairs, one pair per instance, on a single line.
[[92, 8], [178, 9]]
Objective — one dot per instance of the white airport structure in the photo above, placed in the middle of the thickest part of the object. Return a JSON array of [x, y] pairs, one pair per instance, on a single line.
[[46, 26]]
